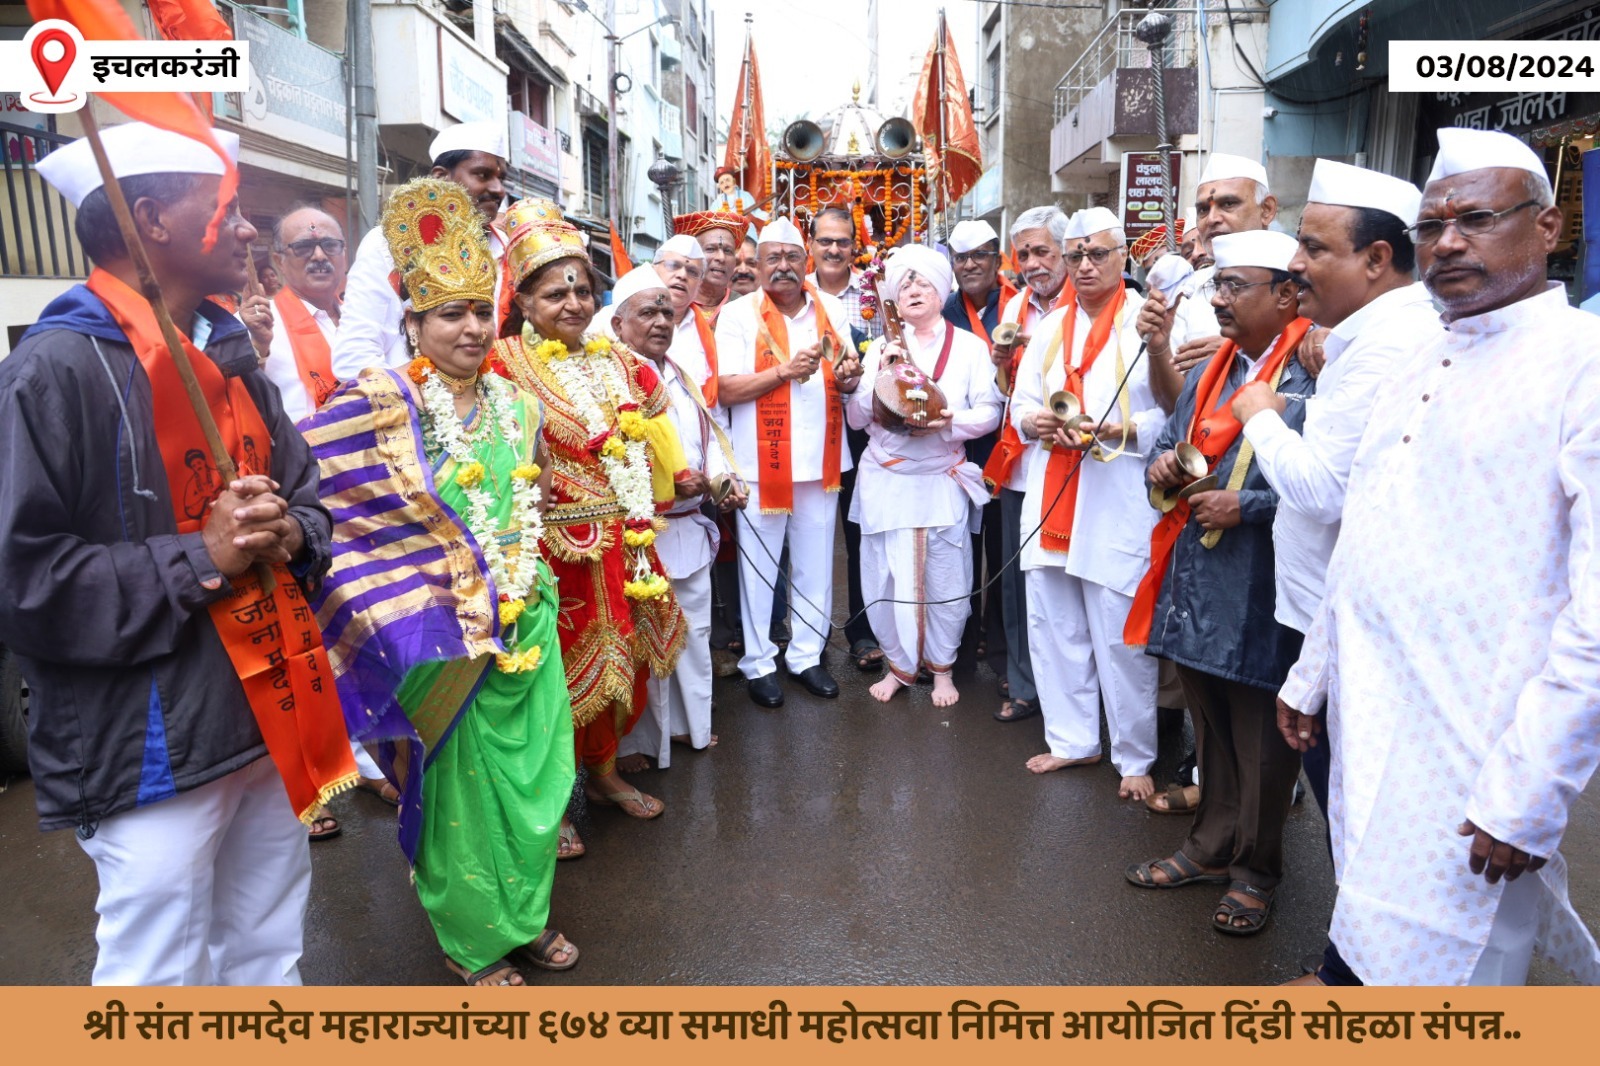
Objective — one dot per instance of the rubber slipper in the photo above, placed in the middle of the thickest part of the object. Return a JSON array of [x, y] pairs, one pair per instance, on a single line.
[[1180, 871], [317, 835], [380, 788], [1010, 712]]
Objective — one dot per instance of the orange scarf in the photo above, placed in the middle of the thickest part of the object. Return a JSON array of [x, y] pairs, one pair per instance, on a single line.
[[1060, 487], [1213, 434], [271, 637], [1008, 452], [773, 432], [975, 316], [708, 341], [313, 358]]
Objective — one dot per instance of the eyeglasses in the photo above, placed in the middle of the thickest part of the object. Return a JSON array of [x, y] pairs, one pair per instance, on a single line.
[[685, 265], [835, 242], [1227, 288], [1468, 224], [783, 258], [331, 246], [973, 257], [1094, 255]]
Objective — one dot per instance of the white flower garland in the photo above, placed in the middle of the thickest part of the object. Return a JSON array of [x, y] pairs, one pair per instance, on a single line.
[[513, 579]]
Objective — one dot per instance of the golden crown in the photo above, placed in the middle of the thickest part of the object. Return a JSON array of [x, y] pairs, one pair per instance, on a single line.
[[437, 239], [538, 234]]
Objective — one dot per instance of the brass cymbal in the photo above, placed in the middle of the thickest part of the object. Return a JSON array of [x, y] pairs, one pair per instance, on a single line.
[[1190, 460], [1004, 335], [1205, 484], [1064, 405]]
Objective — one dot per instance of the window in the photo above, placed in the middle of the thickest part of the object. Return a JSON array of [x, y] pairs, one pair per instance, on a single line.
[[691, 97], [531, 96], [991, 84]]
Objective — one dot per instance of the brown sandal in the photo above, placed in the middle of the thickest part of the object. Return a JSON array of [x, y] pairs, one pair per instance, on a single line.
[[1177, 798]]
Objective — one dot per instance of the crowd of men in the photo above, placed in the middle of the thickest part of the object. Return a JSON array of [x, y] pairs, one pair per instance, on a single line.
[[1252, 479]]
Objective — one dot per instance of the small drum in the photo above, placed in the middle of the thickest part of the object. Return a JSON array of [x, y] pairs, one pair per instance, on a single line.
[[904, 398]]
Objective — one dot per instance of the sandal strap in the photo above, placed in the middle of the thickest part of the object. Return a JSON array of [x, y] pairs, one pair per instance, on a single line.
[[1262, 894]]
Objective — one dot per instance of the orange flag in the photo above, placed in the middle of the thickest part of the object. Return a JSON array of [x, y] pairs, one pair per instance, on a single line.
[[189, 20], [620, 263], [748, 152], [104, 20], [942, 116]]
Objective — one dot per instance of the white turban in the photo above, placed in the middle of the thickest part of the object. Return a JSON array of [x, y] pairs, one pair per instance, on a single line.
[[639, 279], [781, 231], [1343, 185], [1254, 248], [926, 263], [487, 137], [970, 234], [1223, 167], [133, 148], [1463, 150], [683, 245]]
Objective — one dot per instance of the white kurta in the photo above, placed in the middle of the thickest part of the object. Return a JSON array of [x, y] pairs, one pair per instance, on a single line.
[[1195, 317], [371, 332], [1078, 601], [1457, 644], [1309, 470], [281, 368], [810, 528], [917, 501], [1027, 309]]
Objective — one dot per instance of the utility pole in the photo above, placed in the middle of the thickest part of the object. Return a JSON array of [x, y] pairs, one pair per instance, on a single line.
[[612, 43], [872, 53], [364, 99]]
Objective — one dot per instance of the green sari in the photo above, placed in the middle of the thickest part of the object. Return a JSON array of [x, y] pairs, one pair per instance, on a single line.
[[496, 786]]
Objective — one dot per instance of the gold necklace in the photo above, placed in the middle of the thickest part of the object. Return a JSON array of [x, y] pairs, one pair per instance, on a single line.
[[457, 386]]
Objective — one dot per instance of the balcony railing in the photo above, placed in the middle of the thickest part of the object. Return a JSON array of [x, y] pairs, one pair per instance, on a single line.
[[36, 237], [1115, 46]]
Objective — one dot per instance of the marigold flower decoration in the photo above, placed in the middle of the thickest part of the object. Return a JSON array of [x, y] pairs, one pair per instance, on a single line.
[[597, 345], [510, 611], [470, 475], [420, 369], [632, 424], [647, 588], [527, 472], [518, 662], [550, 349]]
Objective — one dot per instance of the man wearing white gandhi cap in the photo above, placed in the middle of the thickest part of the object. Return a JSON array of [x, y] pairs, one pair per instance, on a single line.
[[1087, 489], [917, 495], [120, 547], [1206, 601], [1463, 698], [785, 407], [1231, 197], [679, 705], [472, 154]]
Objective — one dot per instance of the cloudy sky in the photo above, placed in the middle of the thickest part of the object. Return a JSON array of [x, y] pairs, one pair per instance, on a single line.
[[812, 50]]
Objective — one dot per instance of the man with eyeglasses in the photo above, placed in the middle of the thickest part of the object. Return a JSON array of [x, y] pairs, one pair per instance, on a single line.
[[1206, 601], [1086, 493], [472, 154], [981, 292], [1455, 648], [309, 251], [1036, 244], [786, 413]]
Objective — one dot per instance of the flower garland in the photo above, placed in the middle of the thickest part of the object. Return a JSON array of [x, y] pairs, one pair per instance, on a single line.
[[444, 433], [590, 383]]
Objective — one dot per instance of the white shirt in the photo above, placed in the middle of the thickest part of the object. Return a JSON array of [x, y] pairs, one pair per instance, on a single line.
[[808, 402], [925, 489], [1195, 317], [1027, 309], [1458, 642], [690, 539], [1111, 525], [281, 368], [689, 352], [1309, 470], [371, 332]]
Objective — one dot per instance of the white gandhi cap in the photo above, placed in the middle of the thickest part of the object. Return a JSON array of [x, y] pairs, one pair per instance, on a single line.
[[470, 137], [1463, 150], [639, 279], [683, 245], [781, 231], [1089, 221], [1223, 167], [1254, 248], [1342, 185], [133, 148], [970, 234]]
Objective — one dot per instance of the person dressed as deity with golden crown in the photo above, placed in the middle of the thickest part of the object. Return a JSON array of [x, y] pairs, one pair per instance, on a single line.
[[440, 612], [616, 460]]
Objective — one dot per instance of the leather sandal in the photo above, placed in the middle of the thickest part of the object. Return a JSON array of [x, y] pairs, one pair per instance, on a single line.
[[503, 967], [542, 952], [568, 844], [1230, 910], [1177, 797], [1179, 868]]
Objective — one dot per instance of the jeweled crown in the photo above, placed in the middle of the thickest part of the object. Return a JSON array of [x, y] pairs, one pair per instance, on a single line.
[[437, 239], [539, 234]]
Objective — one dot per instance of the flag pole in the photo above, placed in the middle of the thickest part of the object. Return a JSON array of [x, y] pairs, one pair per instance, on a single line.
[[150, 288], [944, 147], [744, 117]]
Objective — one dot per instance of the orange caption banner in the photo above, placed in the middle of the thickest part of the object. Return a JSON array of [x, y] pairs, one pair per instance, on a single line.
[[794, 1025]]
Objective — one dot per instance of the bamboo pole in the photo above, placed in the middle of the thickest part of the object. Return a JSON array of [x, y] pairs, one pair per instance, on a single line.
[[150, 289]]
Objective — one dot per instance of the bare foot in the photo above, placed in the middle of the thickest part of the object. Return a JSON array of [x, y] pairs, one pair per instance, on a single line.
[[1043, 764], [884, 690], [944, 691], [683, 738], [1137, 788], [634, 764]]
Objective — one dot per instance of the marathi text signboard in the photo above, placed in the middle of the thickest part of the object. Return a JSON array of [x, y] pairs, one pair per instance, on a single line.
[[296, 91], [1141, 191], [536, 149]]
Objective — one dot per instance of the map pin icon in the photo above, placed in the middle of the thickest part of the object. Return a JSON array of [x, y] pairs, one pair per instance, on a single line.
[[54, 71]]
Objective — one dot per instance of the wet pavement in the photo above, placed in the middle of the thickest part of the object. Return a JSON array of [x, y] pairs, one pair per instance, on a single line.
[[829, 842]]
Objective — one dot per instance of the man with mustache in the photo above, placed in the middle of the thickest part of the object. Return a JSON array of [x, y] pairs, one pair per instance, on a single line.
[[308, 247], [679, 709], [743, 281], [981, 292], [833, 253], [1206, 601], [1457, 665], [1232, 197], [1086, 487], [1036, 244], [720, 234], [471, 154], [786, 411]]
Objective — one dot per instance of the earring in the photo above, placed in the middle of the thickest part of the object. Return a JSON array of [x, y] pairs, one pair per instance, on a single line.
[[411, 335]]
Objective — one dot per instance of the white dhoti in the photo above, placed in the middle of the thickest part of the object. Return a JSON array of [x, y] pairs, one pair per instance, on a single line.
[[905, 573], [1075, 642], [208, 887], [810, 531], [680, 703]]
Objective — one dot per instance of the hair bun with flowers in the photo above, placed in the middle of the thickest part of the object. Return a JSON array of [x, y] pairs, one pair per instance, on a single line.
[[437, 240]]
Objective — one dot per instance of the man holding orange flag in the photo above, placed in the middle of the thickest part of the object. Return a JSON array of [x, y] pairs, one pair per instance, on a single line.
[[183, 716]]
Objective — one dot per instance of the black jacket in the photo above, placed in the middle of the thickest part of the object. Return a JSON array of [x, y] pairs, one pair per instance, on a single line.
[[132, 696]]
